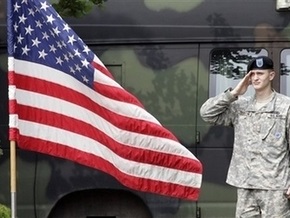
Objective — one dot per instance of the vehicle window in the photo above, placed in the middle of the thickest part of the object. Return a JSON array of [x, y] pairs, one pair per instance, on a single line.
[[284, 72], [229, 65]]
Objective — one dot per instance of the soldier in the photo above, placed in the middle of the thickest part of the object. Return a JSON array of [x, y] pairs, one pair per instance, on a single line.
[[259, 165]]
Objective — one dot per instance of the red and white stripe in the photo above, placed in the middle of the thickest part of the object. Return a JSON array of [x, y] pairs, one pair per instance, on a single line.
[[106, 128]]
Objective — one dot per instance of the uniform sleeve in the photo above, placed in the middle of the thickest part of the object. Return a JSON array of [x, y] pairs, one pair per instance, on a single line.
[[219, 110], [288, 128]]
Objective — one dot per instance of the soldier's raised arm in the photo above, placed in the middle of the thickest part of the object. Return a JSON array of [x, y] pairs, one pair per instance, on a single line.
[[218, 110]]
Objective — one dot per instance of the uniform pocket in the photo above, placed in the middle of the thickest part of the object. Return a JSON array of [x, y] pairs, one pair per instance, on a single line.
[[273, 131]]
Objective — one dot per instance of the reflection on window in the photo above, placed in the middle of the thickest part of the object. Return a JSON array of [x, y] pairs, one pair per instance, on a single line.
[[285, 72], [228, 66]]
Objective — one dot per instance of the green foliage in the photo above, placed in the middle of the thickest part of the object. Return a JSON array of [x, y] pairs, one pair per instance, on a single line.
[[5, 212], [75, 8]]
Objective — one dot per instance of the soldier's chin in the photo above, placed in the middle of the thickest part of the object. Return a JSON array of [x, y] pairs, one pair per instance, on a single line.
[[256, 87]]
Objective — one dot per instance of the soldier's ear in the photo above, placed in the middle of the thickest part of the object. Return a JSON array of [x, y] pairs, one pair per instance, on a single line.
[[272, 74]]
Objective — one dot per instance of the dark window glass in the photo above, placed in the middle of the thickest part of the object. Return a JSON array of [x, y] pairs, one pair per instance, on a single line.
[[285, 72], [228, 66]]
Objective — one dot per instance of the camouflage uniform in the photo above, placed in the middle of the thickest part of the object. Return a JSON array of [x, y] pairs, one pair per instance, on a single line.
[[260, 159]]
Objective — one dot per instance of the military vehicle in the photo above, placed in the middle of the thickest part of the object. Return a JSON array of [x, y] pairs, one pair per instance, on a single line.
[[172, 55]]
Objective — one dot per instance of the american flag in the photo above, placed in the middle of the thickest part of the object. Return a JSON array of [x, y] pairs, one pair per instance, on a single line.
[[64, 102]]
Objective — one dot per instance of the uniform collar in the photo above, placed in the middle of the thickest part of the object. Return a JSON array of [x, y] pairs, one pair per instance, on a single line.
[[269, 107]]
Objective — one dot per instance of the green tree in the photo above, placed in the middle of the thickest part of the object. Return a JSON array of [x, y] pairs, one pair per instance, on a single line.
[[4, 211], [75, 8]]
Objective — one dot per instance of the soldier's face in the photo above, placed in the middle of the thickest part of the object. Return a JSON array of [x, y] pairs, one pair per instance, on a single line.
[[261, 79]]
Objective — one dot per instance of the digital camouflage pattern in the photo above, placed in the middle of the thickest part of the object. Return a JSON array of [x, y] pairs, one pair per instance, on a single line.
[[257, 203], [260, 158]]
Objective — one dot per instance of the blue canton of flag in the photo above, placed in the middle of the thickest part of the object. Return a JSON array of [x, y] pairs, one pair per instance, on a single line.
[[38, 29]]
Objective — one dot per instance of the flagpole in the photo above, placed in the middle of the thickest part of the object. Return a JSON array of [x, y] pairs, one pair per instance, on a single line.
[[13, 178], [11, 93]]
